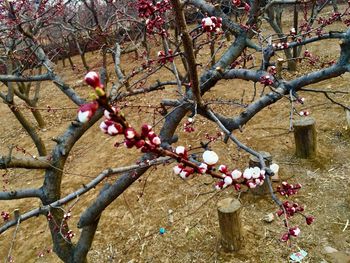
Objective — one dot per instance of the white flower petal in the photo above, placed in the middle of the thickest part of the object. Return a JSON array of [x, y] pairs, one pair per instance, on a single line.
[[177, 169], [180, 150], [83, 116], [248, 173], [236, 174], [256, 172], [210, 157], [228, 180]]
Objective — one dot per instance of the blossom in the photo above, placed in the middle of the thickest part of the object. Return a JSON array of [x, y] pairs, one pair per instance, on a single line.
[[223, 168], [202, 168], [86, 111], [210, 157], [295, 231], [236, 174], [114, 129], [92, 79], [251, 184], [309, 220], [177, 169], [285, 237], [107, 114], [227, 181], [180, 150], [248, 173], [256, 172], [130, 133], [186, 172], [212, 24]]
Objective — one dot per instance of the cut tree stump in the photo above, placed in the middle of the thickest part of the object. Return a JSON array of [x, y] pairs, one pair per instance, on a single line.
[[254, 162], [305, 138], [230, 224]]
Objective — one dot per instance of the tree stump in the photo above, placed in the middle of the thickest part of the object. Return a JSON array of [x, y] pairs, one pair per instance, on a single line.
[[230, 224], [305, 138], [254, 162], [279, 67]]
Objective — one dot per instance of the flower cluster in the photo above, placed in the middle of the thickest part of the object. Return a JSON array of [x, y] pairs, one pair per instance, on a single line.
[[286, 189], [146, 8], [242, 60], [252, 177], [272, 70], [304, 113], [164, 58], [311, 58], [5, 215], [266, 80], [212, 24], [292, 32], [290, 208], [281, 45], [69, 235], [294, 231], [86, 111], [330, 20], [67, 216], [153, 15], [188, 125], [147, 140], [184, 171], [155, 26]]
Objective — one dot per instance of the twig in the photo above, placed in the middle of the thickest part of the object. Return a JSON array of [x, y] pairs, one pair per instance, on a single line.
[[13, 238]]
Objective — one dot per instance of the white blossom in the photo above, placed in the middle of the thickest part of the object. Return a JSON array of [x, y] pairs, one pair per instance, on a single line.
[[210, 157]]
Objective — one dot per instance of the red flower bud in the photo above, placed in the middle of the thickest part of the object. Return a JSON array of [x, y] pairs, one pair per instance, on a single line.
[[130, 133], [309, 220], [86, 111], [285, 237], [139, 144], [129, 143], [145, 129], [93, 79]]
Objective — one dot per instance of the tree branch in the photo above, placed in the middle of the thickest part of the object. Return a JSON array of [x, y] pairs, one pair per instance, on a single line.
[[41, 162], [19, 194]]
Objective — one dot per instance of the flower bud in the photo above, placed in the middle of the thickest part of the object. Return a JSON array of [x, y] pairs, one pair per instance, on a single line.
[[130, 133], [223, 168], [93, 79], [86, 111]]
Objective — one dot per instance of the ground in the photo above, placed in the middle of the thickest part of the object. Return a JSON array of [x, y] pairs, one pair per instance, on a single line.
[[129, 227]]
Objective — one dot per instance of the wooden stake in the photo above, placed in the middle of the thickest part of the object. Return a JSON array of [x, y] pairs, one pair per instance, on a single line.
[[279, 65], [347, 114], [305, 138], [254, 162], [230, 224]]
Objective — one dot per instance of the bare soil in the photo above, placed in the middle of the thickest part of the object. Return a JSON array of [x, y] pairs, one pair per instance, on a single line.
[[129, 227]]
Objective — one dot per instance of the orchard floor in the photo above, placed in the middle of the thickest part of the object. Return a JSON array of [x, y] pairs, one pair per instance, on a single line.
[[129, 228]]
